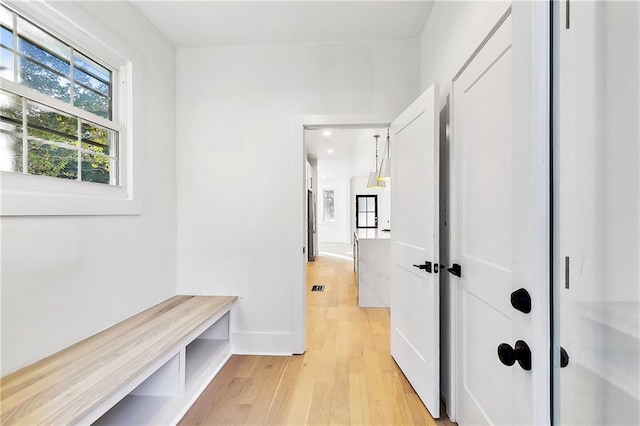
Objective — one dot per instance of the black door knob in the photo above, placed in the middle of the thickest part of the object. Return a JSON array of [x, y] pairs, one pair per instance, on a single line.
[[564, 358], [521, 300], [521, 353]]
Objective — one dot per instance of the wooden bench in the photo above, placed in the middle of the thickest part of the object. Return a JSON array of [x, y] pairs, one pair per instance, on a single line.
[[147, 369]]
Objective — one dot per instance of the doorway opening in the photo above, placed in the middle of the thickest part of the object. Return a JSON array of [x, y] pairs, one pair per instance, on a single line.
[[337, 161]]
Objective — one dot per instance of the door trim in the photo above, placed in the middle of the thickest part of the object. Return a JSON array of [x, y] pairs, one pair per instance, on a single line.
[[299, 195], [532, 123]]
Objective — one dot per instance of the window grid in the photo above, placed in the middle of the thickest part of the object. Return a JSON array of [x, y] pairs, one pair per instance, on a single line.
[[366, 211], [80, 139], [74, 55], [96, 160]]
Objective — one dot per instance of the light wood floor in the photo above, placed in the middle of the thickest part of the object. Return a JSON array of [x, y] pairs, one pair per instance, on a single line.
[[346, 377]]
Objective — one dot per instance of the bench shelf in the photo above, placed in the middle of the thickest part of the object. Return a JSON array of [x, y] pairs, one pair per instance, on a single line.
[[148, 369]]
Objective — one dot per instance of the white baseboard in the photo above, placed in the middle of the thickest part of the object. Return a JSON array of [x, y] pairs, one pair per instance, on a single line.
[[258, 343]]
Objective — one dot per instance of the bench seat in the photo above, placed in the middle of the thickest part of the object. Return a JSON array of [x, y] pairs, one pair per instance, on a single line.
[[81, 382]]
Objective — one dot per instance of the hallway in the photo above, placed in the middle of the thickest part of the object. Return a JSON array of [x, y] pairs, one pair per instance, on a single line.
[[347, 375]]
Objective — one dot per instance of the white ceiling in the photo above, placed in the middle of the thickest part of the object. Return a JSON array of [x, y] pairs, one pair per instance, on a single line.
[[353, 151], [207, 23]]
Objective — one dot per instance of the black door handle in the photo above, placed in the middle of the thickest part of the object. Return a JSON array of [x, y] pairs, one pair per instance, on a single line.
[[521, 353], [521, 300], [426, 266], [455, 270]]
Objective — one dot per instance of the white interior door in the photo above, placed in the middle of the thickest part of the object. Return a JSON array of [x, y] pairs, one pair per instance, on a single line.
[[500, 228], [482, 143], [415, 337]]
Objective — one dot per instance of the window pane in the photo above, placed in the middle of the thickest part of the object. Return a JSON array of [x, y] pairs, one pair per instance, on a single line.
[[50, 160], [10, 108], [41, 38], [44, 81], [91, 101], [6, 37], [371, 204], [50, 125], [6, 64], [10, 147], [89, 81], [6, 17], [43, 57], [95, 168], [371, 219], [97, 139], [362, 204], [362, 220], [88, 66], [329, 206]]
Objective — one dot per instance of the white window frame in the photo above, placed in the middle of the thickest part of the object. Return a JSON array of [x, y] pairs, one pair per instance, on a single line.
[[334, 220], [30, 195]]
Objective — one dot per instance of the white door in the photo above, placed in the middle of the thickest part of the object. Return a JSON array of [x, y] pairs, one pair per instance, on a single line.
[[499, 220], [415, 337]]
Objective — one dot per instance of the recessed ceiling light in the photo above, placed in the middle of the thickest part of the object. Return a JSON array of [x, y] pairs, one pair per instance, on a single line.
[[326, 133], [330, 151]]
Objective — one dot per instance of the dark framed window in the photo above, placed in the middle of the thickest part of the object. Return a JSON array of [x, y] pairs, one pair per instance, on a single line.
[[366, 211]]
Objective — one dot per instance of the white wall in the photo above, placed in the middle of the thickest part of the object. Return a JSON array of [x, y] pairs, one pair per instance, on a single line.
[[337, 231], [65, 278], [452, 33], [239, 177]]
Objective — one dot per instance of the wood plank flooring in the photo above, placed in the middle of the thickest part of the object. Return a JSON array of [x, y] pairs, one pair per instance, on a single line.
[[346, 377]]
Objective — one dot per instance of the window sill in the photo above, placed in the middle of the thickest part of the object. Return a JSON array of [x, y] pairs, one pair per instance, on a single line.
[[22, 195]]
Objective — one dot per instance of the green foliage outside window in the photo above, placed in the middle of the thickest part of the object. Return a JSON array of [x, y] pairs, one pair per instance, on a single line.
[[57, 142]]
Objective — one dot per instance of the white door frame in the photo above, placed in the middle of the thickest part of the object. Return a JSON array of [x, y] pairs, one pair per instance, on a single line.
[[531, 40], [531, 122], [299, 196]]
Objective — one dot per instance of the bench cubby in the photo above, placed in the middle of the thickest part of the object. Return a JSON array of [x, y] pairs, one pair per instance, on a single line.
[[147, 369]]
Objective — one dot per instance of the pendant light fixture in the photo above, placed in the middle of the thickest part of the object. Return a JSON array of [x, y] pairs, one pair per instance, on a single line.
[[373, 181], [384, 173]]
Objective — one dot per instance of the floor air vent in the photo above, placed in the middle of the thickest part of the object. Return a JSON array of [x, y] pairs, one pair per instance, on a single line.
[[317, 288]]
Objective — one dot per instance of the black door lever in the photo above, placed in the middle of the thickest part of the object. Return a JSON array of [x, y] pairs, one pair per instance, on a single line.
[[455, 270], [426, 266]]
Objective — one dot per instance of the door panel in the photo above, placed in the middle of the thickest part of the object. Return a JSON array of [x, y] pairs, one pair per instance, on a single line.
[[415, 338], [491, 407]]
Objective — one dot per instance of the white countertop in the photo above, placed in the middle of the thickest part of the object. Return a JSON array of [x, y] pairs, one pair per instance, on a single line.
[[372, 234]]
